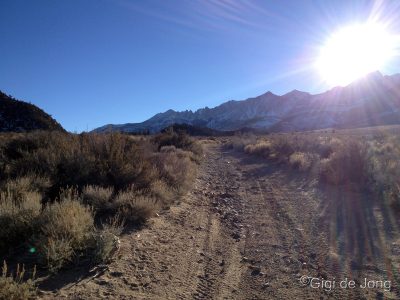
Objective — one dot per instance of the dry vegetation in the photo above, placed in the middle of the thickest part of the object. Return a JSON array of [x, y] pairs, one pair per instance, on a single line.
[[368, 161], [64, 198], [16, 287]]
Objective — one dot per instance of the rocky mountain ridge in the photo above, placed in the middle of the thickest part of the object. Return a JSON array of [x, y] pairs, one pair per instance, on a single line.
[[369, 101]]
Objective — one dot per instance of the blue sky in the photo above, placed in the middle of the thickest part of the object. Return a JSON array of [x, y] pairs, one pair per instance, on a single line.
[[95, 62]]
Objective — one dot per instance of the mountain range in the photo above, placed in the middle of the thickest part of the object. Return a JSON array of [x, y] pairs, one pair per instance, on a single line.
[[20, 116], [368, 101]]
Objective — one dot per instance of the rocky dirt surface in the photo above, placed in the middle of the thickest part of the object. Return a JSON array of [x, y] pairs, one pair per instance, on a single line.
[[250, 229]]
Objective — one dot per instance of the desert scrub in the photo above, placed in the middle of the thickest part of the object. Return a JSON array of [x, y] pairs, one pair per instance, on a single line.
[[29, 183], [15, 287], [135, 206], [239, 142], [109, 172], [106, 240], [176, 169], [347, 165], [18, 217], [64, 231], [178, 140], [163, 192], [262, 148], [97, 197], [301, 161]]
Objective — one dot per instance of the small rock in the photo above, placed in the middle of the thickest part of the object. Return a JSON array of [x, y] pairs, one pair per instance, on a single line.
[[265, 285]]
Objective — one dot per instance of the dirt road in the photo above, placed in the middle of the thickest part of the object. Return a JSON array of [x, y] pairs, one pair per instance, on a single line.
[[252, 230]]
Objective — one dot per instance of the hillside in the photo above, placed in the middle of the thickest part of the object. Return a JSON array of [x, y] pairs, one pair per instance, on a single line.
[[19, 116], [370, 101]]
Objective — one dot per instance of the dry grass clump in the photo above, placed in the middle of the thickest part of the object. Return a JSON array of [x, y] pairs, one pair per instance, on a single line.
[[239, 142], [18, 216], [15, 287], [135, 206], [160, 190], [176, 169], [301, 161], [97, 197], [347, 165], [262, 148], [384, 168], [65, 228], [178, 140]]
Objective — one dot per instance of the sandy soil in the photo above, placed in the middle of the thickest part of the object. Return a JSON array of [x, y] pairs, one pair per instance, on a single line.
[[250, 229]]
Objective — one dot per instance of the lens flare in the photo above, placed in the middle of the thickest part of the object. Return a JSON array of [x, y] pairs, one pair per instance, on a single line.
[[355, 51]]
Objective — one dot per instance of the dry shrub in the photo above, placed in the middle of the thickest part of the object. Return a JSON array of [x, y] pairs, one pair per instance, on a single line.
[[55, 253], [18, 216], [135, 206], [347, 165], [15, 287], [384, 168], [326, 146], [65, 228], [162, 192], [97, 197], [283, 147], [238, 142], [106, 245], [369, 161], [31, 183], [176, 139], [301, 161], [106, 240], [168, 149], [176, 169], [393, 195], [76, 160], [112, 172], [262, 148]]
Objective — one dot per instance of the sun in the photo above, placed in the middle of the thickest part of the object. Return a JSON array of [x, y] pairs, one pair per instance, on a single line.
[[353, 52]]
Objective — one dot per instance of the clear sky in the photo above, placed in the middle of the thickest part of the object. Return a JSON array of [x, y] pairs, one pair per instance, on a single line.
[[93, 62]]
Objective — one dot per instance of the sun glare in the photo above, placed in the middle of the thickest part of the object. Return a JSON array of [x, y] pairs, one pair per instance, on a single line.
[[355, 51]]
